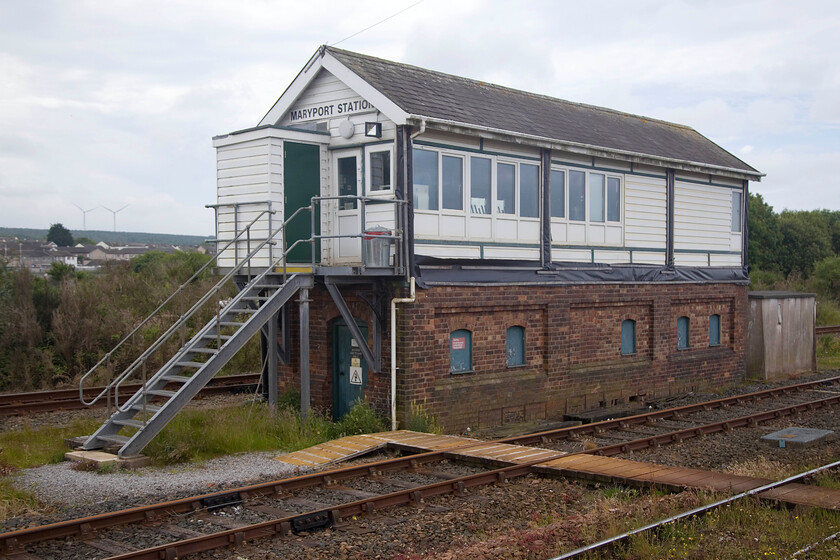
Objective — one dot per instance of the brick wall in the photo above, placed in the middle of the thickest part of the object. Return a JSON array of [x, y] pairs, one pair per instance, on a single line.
[[573, 359]]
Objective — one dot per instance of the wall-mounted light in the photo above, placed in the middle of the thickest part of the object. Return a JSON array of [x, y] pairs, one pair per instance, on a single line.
[[373, 129]]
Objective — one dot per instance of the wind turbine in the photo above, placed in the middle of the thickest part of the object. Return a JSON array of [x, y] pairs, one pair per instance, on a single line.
[[114, 212], [84, 215]]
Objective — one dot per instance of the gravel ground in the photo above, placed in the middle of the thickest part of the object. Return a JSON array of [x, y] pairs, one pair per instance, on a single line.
[[441, 524]]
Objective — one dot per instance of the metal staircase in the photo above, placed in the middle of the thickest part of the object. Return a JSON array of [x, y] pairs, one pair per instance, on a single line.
[[195, 364]]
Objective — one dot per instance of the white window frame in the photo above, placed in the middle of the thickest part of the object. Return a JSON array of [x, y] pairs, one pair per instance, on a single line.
[[370, 150], [588, 222]]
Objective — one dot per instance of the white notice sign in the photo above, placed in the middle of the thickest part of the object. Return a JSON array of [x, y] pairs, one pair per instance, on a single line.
[[355, 376]]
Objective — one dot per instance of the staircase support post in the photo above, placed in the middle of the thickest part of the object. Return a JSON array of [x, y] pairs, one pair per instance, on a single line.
[[304, 353], [271, 356]]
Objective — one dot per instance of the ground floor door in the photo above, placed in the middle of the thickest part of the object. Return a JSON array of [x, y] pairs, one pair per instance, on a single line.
[[350, 371], [301, 181]]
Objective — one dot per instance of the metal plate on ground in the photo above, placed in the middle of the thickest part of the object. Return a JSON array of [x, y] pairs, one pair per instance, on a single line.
[[797, 437]]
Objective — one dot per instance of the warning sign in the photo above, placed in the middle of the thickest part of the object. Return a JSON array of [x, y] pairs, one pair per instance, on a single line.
[[355, 375], [459, 343]]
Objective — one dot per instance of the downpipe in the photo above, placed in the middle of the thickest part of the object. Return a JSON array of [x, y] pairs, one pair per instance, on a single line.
[[394, 302]]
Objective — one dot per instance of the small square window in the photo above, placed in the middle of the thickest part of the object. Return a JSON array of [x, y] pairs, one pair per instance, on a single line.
[[380, 171]]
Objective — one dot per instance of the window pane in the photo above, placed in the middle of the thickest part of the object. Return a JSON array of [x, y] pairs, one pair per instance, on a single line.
[[577, 196], [596, 197], [628, 337], [460, 351], [613, 199], [347, 182], [425, 180], [714, 330], [558, 194], [505, 187], [736, 212], [453, 183], [515, 346], [380, 171], [480, 185], [682, 333], [529, 187]]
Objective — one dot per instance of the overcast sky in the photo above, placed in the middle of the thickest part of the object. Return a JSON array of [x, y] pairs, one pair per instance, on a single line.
[[113, 103]]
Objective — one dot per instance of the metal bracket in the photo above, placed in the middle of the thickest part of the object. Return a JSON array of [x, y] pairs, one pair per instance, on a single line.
[[372, 357]]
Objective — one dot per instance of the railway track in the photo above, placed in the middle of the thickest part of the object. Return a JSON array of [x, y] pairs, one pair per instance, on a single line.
[[309, 502], [12, 404], [831, 329]]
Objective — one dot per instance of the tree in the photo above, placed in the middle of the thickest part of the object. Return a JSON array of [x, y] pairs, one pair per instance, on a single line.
[[765, 236], [805, 241], [60, 235]]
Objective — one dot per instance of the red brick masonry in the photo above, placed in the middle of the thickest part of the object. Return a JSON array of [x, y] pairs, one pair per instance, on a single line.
[[573, 359]]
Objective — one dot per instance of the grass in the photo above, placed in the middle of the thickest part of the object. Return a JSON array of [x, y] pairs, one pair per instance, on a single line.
[[745, 529], [197, 435], [828, 353], [32, 447]]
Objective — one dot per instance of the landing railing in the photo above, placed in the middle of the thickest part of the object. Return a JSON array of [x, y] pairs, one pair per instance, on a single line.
[[111, 391]]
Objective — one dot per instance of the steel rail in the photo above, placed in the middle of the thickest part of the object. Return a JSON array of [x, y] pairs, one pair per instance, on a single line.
[[15, 540], [829, 329], [68, 399], [702, 509], [595, 428], [715, 427]]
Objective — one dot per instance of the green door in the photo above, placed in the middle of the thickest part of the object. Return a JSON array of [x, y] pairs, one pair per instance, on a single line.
[[301, 181], [350, 371]]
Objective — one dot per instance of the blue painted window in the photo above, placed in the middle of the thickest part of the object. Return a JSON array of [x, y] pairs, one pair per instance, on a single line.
[[682, 333], [460, 351], [628, 337], [515, 346], [714, 330]]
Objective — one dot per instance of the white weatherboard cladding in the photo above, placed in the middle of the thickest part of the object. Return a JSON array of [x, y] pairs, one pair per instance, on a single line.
[[326, 97], [702, 217], [249, 180], [645, 211], [571, 255], [516, 253], [449, 251]]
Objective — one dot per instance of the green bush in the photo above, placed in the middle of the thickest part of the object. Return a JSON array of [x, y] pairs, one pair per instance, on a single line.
[[826, 278], [828, 312], [361, 419]]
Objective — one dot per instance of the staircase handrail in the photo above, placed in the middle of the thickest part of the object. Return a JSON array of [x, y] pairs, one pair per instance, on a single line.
[[130, 369], [117, 383]]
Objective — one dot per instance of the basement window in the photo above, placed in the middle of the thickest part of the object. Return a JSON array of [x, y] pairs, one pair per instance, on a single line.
[[714, 330], [515, 346], [682, 333], [628, 337], [460, 351]]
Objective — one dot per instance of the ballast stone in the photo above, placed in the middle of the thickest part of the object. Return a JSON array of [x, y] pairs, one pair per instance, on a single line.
[[797, 437]]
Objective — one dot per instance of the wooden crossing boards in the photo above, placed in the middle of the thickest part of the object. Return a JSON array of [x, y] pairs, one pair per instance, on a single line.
[[581, 466]]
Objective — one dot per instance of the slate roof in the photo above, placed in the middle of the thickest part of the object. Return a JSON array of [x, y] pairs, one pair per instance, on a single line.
[[435, 95]]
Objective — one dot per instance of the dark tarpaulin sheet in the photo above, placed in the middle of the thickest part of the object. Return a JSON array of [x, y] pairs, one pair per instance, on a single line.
[[459, 271]]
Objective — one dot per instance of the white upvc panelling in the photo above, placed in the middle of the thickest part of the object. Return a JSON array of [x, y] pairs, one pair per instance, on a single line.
[[612, 257], [725, 260], [702, 217], [449, 251], [517, 253], [644, 257], [572, 255], [691, 259], [645, 212], [249, 180]]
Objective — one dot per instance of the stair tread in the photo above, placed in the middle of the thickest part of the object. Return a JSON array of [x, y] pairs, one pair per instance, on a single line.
[[114, 438], [161, 393], [221, 336], [190, 364], [129, 422], [176, 378], [204, 350], [148, 408]]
